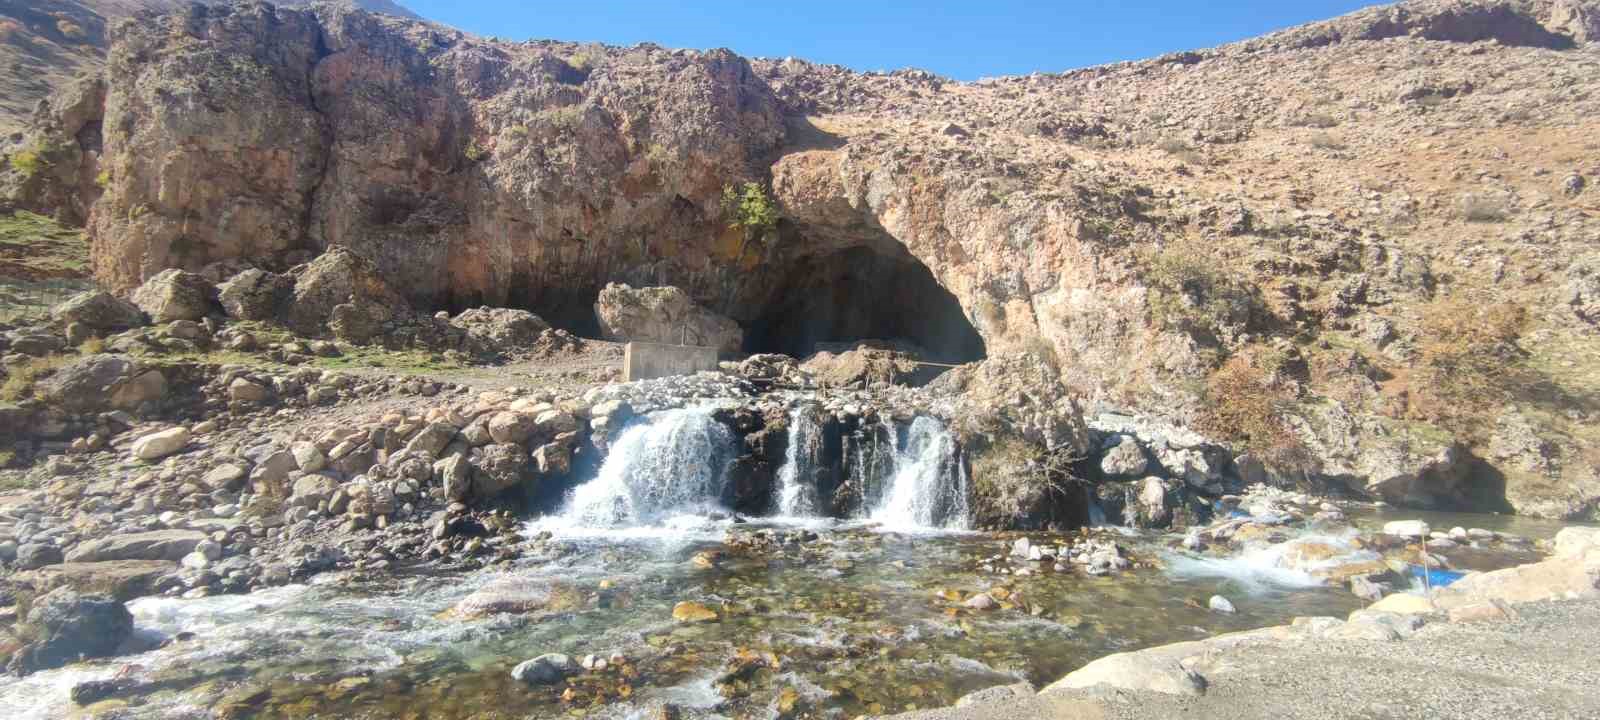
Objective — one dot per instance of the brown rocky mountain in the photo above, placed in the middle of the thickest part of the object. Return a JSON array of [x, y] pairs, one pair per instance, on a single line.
[[46, 43], [1363, 250]]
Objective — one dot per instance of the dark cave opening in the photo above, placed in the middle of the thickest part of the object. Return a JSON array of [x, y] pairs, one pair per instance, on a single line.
[[829, 301]]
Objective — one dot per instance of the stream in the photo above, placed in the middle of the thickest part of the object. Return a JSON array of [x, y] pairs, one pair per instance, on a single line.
[[816, 617]]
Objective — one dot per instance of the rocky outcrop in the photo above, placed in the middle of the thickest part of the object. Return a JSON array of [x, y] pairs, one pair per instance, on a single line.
[[663, 315]]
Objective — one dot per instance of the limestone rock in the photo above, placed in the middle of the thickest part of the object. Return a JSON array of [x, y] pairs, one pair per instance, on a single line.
[[98, 310], [1406, 528], [545, 669], [255, 294], [175, 295], [170, 545], [663, 315], [502, 328], [1125, 459], [158, 445]]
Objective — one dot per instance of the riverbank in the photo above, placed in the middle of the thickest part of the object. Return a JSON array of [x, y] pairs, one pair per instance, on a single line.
[[1522, 642]]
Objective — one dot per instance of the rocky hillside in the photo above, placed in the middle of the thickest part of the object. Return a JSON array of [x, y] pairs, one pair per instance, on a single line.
[[1360, 251], [46, 43]]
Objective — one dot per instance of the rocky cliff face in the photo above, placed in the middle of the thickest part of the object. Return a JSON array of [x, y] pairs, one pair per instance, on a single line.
[[1273, 221]]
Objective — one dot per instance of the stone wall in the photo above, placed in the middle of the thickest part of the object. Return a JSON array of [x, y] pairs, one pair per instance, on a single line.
[[643, 361]]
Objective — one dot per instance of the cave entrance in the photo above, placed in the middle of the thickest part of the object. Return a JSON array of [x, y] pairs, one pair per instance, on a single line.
[[834, 300]]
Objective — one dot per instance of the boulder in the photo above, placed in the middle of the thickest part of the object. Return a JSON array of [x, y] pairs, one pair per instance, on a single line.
[[341, 277], [158, 445], [510, 595], [663, 315], [1125, 459], [545, 669], [244, 390], [454, 474], [510, 427], [169, 545], [1158, 669], [86, 385], [121, 579], [98, 310], [175, 295], [255, 294], [37, 555], [69, 626], [1406, 528], [313, 489], [500, 467], [308, 457], [501, 328], [1404, 604], [431, 440]]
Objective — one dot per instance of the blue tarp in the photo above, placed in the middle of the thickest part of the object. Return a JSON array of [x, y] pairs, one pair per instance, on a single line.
[[1437, 577]]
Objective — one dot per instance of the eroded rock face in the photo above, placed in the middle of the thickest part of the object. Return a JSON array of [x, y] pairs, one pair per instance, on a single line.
[[663, 315]]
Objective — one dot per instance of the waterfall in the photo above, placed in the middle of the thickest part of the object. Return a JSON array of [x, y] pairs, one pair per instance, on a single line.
[[672, 463], [1097, 514], [929, 486], [797, 479]]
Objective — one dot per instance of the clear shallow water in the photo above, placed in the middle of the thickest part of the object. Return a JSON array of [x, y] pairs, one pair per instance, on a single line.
[[853, 621], [827, 618]]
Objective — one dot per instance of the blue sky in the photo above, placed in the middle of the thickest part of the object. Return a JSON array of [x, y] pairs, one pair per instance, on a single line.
[[964, 40]]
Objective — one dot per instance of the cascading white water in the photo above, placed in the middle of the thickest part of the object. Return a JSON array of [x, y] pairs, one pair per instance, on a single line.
[[797, 487], [929, 487], [672, 463]]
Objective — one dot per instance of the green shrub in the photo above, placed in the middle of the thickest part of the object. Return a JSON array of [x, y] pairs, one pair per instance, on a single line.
[[517, 132], [750, 208], [28, 162], [103, 180], [476, 152]]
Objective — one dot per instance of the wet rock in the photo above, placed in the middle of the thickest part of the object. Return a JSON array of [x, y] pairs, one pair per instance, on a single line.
[[508, 595], [69, 626], [981, 601], [1220, 604], [158, 445], [1406, 528], [545, 669], [693, 612], [93, 691]]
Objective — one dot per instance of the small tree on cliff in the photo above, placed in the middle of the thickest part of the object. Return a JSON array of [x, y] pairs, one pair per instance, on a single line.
[[749, 208]]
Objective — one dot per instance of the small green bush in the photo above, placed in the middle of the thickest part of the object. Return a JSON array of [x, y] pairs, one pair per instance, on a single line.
[[476, 152], [749, 207], [103, 180], [28, 162], [1193, 291]]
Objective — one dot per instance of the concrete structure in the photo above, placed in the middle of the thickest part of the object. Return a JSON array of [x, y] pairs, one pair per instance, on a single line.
[[642, 361]]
